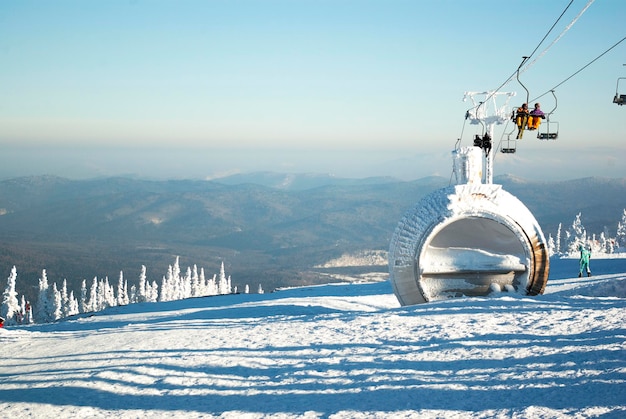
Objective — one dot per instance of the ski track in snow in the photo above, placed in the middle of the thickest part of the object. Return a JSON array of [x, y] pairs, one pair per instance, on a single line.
[[334, 351]]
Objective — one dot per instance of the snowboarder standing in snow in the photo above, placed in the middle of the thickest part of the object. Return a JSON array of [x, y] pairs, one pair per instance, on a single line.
[[585, 255]]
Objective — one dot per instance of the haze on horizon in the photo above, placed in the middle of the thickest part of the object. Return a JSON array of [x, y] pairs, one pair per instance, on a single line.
[[198, 89]]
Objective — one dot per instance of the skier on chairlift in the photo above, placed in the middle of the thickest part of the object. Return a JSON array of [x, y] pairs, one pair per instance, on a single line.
[[521, 119], [536, 115]]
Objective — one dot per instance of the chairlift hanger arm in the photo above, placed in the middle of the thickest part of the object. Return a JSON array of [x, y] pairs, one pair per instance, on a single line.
[[524, 59], [619, 99]]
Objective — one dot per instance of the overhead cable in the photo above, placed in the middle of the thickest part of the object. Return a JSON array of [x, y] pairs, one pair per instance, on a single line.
[[582, 68], [567, 28]]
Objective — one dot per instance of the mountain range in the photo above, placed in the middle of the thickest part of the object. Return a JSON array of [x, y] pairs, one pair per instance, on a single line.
[[268, 228]]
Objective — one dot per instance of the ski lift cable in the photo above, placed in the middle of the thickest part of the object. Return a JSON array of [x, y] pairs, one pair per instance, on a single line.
[[567, 28], [516, 72], [581, 69]]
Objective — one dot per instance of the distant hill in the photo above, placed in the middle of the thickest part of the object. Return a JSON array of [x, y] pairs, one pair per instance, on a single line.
[[268, 228]]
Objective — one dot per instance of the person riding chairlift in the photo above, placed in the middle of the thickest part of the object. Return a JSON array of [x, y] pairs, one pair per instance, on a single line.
[[536, 115], [521, 119]]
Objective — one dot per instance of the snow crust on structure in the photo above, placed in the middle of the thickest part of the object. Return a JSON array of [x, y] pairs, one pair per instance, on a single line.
[[452, 202], [468, 163], [452, 259]]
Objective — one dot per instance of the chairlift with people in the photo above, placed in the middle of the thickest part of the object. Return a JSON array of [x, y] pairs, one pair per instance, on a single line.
[[551, 127]]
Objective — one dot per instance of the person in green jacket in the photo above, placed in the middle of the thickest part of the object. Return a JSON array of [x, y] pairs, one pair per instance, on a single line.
[[585, 255]]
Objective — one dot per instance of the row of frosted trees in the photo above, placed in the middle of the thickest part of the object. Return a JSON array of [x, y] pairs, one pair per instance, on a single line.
[[567, 243], [54, 303]]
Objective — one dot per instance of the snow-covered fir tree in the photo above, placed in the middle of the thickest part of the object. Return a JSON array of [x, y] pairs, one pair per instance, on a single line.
[[82, 304], [57, 303], [223, 286], [558, 240], [141, 287], [577, 235], [153, 297], [44, 308], [620, 235], [167, 285], [72, 305], [109, 294], [195, 282], [212, 286], [185, 285], [65, 300], [202, 283], [122, 291], [10, 304], [93, 304]]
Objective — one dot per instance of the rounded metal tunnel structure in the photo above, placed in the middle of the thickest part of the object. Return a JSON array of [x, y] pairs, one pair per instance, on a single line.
[[467, 240]]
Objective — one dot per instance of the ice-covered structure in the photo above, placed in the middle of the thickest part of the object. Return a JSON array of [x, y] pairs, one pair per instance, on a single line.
[[469, 239]]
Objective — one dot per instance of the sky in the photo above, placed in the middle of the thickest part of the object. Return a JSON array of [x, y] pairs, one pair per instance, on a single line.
[[200, 89], [346, 350]]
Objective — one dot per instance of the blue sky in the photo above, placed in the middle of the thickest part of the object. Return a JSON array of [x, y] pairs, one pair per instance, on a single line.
[[355, 88]]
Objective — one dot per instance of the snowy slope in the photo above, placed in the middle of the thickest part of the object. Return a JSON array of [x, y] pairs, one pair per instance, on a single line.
[[339, 351]]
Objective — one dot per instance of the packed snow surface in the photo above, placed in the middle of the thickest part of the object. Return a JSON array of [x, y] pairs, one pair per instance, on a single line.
[[333, 351]]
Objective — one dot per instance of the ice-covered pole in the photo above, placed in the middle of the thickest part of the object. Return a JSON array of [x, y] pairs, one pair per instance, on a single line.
[[488, 114], [489, 158]]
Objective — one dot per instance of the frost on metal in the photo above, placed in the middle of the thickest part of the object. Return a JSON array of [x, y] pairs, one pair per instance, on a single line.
[[467, 240]]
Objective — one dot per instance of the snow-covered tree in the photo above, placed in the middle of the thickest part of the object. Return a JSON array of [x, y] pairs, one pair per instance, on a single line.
[[202, 284], [72, 308], [57, 303], [222, 285], [620, 236], [10, 305], [82, 305], [212, 286], [109, 294], [153, 296], [577, 235], [93, 304], [167, 285], [122, 291], [44, 309], [558, 240], [141, 287], [65, 300], [195, 282], [185, 289], [132, 294]]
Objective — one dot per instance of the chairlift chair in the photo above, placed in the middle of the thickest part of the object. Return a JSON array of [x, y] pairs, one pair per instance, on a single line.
[[509, 146], [551, 133], [619, 98]]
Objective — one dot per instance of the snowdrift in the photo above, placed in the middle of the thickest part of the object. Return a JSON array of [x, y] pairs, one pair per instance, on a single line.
[[334, 351]]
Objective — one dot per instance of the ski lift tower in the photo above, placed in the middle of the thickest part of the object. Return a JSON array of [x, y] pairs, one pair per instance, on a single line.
[[487, 113]]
